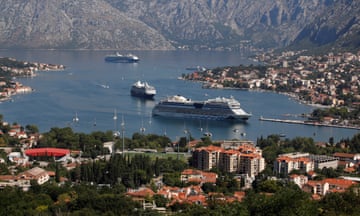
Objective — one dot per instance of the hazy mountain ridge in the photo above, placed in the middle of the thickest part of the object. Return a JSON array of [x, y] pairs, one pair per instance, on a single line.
[[163, 25]]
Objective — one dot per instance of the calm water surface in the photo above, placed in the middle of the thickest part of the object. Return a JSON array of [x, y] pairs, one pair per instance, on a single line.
[[61, 95]]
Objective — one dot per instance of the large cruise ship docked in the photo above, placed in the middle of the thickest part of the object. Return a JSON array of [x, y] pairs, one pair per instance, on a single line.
[[219, 108], [118, 58], [142, 89]]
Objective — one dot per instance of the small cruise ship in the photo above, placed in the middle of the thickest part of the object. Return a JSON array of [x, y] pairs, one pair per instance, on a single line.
[[143, 89], [119, 58], [219, 108]]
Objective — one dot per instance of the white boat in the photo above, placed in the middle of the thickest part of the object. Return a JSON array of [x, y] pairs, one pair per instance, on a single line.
[[119, 58], [76, 118], [219, 108], [142, 89]]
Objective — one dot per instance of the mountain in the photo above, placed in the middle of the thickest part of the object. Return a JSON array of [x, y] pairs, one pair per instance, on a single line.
[[337, 27], [73, 24], [185, 24]]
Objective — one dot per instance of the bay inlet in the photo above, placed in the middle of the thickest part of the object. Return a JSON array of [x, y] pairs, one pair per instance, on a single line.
[[78, 90]]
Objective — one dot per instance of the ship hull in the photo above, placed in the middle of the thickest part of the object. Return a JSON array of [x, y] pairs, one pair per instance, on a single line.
[[116, 59], [141, 94], [182, 115]]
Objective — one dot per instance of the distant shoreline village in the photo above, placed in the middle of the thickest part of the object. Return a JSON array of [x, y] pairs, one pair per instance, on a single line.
[[11, 68], [329, 81]]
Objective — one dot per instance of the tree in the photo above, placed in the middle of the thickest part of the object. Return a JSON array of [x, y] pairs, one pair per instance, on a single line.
[[160, 200], [32, 129], [57, 172]]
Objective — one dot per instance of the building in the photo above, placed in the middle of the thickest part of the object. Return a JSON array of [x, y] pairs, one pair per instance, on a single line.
[[327, 185], [347, 159], [206, 158], [239, 158], [299, 180], [191, 175], [303, 162], [40, 175], [285, 163], [324, 161], [23, 179]]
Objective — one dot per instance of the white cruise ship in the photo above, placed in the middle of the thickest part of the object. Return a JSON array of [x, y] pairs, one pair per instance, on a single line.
[[219, 108], [143, 89], [118, 58]]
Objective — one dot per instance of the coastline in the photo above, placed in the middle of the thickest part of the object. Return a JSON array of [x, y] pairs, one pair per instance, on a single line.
[[11, 87], [308, 123]]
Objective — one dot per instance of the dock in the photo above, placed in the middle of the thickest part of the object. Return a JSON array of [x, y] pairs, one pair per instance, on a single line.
[[311, 123]]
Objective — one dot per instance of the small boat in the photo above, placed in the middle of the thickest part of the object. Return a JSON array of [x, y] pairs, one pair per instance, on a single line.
[[119, 58], [103, 86], [197, 68], [142, 89], [207, 134], [76, 118]]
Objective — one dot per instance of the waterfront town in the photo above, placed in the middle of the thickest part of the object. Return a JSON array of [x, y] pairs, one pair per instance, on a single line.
[[164, 180], [10, 68], [331, 80], [324, 81]]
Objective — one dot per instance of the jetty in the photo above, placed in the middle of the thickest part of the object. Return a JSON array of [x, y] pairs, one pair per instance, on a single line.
[[311, 123]]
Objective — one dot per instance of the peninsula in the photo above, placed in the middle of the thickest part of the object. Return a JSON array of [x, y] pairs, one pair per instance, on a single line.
[[11, 68]]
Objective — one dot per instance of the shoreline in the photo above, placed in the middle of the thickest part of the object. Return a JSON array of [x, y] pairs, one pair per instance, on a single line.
[[288, 121]]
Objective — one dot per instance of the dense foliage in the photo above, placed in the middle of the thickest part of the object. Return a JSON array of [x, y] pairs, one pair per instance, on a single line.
[[127, 171], [82, 199]]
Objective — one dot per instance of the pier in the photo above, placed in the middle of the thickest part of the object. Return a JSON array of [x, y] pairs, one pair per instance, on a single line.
[[311, 123]]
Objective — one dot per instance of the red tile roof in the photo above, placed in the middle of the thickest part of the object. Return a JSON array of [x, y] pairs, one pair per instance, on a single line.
[[144, 192]]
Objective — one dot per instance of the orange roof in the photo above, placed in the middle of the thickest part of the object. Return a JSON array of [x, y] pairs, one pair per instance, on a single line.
[[339, 182], [350, 169], [141, 193], [194, 143], [197, 199], [288, 159], [194, 180], [210, 148], [315, 196], [51, 173], [231, 151], [210, 177], [239, 195], [7, 177], [191, 172], [343, 155]]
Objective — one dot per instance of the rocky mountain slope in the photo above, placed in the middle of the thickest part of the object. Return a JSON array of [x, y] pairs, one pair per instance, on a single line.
[[337, 27], [187, 24], [73, 24]]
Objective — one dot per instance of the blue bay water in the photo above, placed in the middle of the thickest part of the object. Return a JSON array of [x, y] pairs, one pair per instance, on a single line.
[[60, 95]]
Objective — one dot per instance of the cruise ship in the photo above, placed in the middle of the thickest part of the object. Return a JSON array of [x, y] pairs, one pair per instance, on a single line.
[[142, 89], [118, 58], [219, 108]]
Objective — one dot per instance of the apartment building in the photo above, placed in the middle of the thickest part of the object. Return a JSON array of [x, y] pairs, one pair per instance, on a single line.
[[327, 185], [285, 163], [206, 158], [304, 162], [242, 158]]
